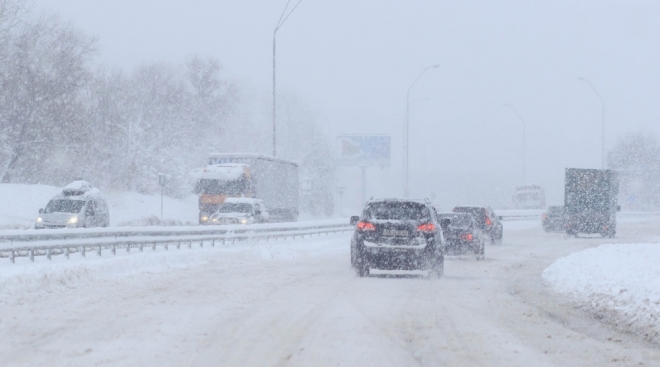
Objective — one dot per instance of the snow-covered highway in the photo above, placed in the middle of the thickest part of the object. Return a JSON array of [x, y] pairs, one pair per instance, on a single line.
[[299, 303]]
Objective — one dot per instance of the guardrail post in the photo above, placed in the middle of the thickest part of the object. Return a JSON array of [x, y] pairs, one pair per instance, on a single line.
[[32, 254], [98, 251], [128, 247], [165, 245], [154, 246], [11, 257], [213, 242], [141, 246], [190, 244], [114, 249], [66, 252], [48, 254], [82, 250], [201, 243], [178, 245]]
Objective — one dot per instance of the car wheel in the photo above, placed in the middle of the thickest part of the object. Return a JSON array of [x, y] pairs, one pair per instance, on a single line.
[[436, 268], [362, 271], [481, 251]]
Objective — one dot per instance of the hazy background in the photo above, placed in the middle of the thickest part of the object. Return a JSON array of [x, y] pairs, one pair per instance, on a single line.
[[352, 63]]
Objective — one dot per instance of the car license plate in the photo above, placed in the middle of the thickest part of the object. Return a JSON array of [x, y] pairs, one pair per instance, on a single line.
[[395, 233]]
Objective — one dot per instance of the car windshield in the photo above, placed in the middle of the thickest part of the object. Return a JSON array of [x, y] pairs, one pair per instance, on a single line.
[[388, 210], [64, 206], [235, 208]]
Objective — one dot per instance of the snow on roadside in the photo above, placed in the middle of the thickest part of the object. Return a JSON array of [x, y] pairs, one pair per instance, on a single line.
[[619, 283], [24, 281]]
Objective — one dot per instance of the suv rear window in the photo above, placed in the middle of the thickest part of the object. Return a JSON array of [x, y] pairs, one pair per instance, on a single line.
[[457, 220], [395, 210], [478, 213]]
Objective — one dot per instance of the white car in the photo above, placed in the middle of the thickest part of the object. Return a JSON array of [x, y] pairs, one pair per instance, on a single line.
[[240, 211], [78, 205]]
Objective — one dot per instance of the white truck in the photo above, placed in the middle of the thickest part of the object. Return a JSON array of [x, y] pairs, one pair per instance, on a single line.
[[236, 175]]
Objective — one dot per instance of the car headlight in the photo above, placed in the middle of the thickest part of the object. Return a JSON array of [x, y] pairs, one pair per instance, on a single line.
[[73, 220], [244, 221], [215, 219], [204, 219], [39, 220]]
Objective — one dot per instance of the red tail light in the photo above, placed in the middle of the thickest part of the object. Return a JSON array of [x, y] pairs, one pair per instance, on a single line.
[[467, 236], [428, 227], [365, 226], [488, 222], [545, 216]]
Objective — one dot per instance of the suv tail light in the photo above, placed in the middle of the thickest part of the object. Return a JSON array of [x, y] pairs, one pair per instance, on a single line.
[[544, 216], [488, 222], [467, 236], [365, 226], [428, 227]]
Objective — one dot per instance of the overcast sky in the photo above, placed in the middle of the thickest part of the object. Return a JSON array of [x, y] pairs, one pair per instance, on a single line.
[[353, 61]]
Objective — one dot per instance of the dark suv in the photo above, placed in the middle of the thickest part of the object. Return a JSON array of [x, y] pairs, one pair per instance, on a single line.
[[486, 220], [398, 234]]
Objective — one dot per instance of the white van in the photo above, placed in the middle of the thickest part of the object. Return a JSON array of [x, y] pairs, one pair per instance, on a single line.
[[79, 205]]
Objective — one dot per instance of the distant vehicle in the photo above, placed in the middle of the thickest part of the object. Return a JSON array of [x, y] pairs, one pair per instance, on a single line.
[[553, 219], [463, 235], [78, 205], [590, 201], [240, 211], [273, 180], [398, 234], [487, 221], [529, 197]]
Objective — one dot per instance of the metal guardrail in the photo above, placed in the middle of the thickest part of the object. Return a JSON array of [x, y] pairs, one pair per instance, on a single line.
[[97, 245]]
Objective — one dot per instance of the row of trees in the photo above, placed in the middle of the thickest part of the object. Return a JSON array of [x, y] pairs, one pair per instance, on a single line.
[[637, 159], [63, 116]]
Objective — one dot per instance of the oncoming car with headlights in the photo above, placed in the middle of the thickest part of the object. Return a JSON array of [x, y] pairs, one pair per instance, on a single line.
[[398, 234], [78, 205], [240, 211]]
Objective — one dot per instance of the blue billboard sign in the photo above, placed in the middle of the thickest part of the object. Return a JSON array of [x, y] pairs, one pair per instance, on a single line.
[[364, 150]]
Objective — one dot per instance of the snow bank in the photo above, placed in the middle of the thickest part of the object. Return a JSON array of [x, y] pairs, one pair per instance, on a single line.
[[618, 282]]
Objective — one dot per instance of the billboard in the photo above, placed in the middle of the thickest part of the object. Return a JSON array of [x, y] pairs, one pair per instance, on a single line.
[[363, 150]]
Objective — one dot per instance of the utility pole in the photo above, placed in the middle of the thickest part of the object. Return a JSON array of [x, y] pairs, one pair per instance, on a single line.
[[602, 118], [280, 22], [406, 150], [512, 107]]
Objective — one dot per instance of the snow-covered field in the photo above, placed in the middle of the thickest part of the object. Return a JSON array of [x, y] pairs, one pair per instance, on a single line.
[[618, 282]]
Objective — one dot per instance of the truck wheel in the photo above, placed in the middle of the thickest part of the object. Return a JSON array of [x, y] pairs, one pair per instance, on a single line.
[[362, 271]]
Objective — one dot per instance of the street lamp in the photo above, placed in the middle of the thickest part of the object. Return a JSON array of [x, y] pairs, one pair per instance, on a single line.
[[280, 22], [406, 168], [602, 116], [512, 107]]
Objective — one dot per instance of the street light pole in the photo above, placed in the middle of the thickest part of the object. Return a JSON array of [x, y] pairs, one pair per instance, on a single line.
[[406, 191], [523, 139], [280, 22], [602, 117]]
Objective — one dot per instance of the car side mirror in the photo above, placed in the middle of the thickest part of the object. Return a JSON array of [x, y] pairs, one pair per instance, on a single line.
[[500, 217], [41, 210], [354, 220], [444, 224]]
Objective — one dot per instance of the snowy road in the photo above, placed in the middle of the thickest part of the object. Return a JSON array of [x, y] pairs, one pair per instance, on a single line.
[[299, 304]]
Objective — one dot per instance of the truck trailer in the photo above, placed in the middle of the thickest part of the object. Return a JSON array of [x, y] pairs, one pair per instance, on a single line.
[[590, 201], [273, 180]]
